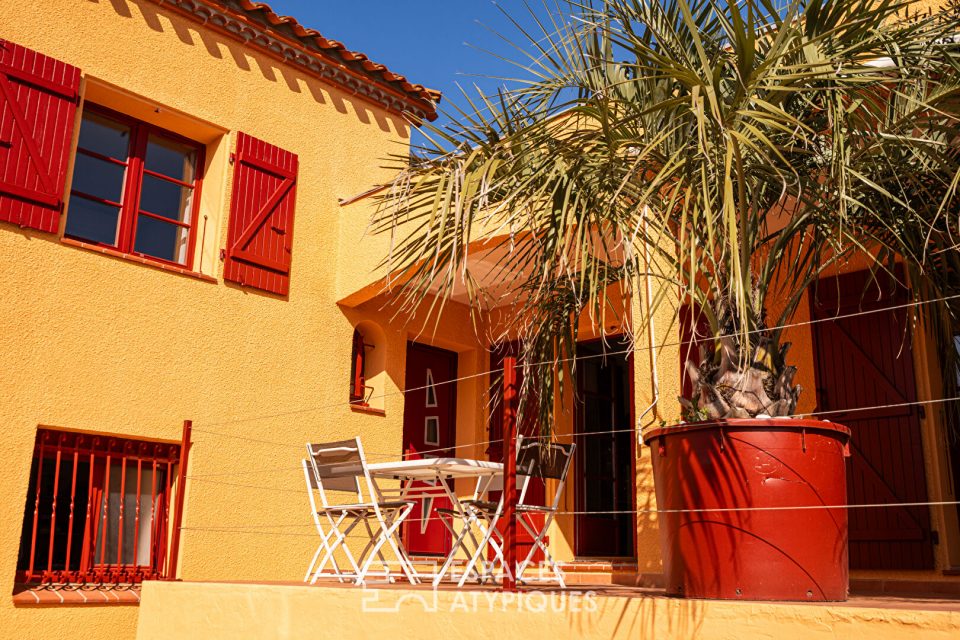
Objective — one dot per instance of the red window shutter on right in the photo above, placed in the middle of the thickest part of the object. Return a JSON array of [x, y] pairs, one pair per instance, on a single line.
[[38, 103], [260, 238]]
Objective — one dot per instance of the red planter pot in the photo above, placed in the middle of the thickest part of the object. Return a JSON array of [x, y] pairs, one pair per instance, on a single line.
[[763, 551]]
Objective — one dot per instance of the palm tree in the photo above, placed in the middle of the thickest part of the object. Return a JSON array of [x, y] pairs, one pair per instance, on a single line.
[[731, 150]]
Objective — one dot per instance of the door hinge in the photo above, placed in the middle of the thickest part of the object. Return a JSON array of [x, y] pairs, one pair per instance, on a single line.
[[923, 412], [934, 536]]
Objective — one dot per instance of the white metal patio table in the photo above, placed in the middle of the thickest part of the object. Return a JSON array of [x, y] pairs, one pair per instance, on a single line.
[[434, 475]]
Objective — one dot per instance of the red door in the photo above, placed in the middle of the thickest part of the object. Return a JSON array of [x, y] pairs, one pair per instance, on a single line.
[[429, 430], [604, 457], [867, 361]]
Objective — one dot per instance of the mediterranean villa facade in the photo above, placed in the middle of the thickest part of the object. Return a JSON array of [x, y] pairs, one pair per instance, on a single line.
[[184, 195]]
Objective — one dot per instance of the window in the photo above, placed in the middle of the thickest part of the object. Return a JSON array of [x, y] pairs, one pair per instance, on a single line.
[[431, 430], [98, 509], [358, 365], [368, 373], [135, 188], [431, 394]]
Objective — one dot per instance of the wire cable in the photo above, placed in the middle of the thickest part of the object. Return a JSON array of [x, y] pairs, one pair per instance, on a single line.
[[634, 349], [639, 430]]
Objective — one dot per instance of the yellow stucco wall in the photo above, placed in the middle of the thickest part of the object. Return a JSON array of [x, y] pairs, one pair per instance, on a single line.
[[229, 611], [102, 344]]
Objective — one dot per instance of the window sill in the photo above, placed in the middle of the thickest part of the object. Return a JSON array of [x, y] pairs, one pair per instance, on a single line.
[[74, 594], [362, 408], [132, 258]]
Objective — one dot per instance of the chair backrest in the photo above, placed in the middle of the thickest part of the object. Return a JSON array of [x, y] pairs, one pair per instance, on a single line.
[[539, 459], [338, 466], [545, 460]]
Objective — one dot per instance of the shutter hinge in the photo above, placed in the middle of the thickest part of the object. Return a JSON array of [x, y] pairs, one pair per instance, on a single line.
[[233, 158], [934, 536], [223, 254]]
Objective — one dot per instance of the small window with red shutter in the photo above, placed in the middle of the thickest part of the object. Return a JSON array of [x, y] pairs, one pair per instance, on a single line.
[[260, 236], [358, 363]]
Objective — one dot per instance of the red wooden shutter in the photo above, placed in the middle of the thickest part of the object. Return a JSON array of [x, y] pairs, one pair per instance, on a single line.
[[260, 238], [358, 380], [38, 104]]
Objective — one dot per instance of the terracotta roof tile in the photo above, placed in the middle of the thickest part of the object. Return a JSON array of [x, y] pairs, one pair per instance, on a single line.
[[313, 40]]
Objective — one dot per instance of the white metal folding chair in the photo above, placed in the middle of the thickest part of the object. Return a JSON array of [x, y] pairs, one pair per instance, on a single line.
[[535, 459], [341, 467]]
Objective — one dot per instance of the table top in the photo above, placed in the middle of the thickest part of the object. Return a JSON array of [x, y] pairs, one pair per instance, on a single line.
[[432, 468]]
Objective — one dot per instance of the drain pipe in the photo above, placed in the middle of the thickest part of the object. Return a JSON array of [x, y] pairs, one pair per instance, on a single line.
[[651, 330]]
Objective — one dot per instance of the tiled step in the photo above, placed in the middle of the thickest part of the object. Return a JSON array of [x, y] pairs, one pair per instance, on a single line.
[[600, 572]]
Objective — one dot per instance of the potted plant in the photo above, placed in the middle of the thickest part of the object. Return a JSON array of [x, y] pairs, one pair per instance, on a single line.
[[721, 154]]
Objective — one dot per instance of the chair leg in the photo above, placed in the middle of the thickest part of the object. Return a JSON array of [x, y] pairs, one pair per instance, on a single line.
[[406, 564], [487, 534], [325, 539], [383, 561], [533, 548], [354, 564], [385, 537], [313, 561], [497, 545], [539, 544], [324, 545], [327, 556], [339, 537], [458, 543]]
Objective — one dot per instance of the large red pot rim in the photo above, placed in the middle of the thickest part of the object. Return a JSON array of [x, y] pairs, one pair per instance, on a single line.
[[748, 423]]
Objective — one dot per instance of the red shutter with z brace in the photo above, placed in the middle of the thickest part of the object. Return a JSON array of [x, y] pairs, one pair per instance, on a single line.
[[38, 105], [259, 241]]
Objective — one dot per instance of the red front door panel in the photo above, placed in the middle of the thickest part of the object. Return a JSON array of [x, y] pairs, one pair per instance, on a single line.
[[429, 430]]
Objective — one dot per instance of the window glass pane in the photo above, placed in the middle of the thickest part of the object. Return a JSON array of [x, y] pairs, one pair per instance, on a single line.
[[165, 198], [431, 390], [136, 539], [170, 158], [104, 136], [431, 430], [98, 178], [161, 239], [93, 221]]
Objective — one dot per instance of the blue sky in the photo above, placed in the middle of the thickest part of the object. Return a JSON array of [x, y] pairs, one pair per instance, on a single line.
[[429, 41]]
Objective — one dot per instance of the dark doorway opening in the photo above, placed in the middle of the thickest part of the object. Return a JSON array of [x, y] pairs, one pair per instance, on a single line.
[[605, 480]]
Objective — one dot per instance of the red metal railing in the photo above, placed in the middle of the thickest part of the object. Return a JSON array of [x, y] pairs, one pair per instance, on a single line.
[[98, 510]]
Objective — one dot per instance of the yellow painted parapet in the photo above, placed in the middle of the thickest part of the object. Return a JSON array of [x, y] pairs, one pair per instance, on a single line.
[[218, 611]]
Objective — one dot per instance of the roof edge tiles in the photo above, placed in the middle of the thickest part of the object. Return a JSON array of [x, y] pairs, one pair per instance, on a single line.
[[257, 25]]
